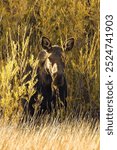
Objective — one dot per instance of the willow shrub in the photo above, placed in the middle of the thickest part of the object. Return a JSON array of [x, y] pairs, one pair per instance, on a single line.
[[23, 23]]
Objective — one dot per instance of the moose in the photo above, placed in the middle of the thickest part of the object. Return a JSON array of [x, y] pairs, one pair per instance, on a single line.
[[51, 80]]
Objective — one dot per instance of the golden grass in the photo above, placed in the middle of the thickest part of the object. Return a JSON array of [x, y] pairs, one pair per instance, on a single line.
[[74, 135]]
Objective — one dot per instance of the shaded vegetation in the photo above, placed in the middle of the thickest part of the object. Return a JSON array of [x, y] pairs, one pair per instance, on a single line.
[[22, 24]]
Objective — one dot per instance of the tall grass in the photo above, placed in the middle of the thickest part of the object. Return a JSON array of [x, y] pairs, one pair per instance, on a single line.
[[50, 136]]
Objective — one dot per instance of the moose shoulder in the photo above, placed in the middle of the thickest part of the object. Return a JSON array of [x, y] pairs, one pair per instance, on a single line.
[[51, 76]]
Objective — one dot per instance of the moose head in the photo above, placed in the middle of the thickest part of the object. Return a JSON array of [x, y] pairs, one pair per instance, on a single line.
[[53, 58]]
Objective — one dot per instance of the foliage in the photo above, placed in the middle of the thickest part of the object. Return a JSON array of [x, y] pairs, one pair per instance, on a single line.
[[23, 23], [53, 135]]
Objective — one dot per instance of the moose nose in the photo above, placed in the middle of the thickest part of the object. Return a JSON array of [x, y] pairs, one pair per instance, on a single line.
[[59, 80]]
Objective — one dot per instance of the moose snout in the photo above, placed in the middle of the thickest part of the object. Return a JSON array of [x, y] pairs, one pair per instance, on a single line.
[[59, 80]]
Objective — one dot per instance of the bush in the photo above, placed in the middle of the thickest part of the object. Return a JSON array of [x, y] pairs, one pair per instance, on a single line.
[[23, 23]]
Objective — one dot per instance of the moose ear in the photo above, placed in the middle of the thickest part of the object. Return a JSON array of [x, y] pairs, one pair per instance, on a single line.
[[69, 44], [46, 44]]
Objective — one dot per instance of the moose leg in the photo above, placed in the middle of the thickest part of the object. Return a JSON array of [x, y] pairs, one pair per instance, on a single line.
[[46, 105], [49, 99]]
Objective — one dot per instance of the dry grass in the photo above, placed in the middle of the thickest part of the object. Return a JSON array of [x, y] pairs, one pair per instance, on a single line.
[[74, 135]]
